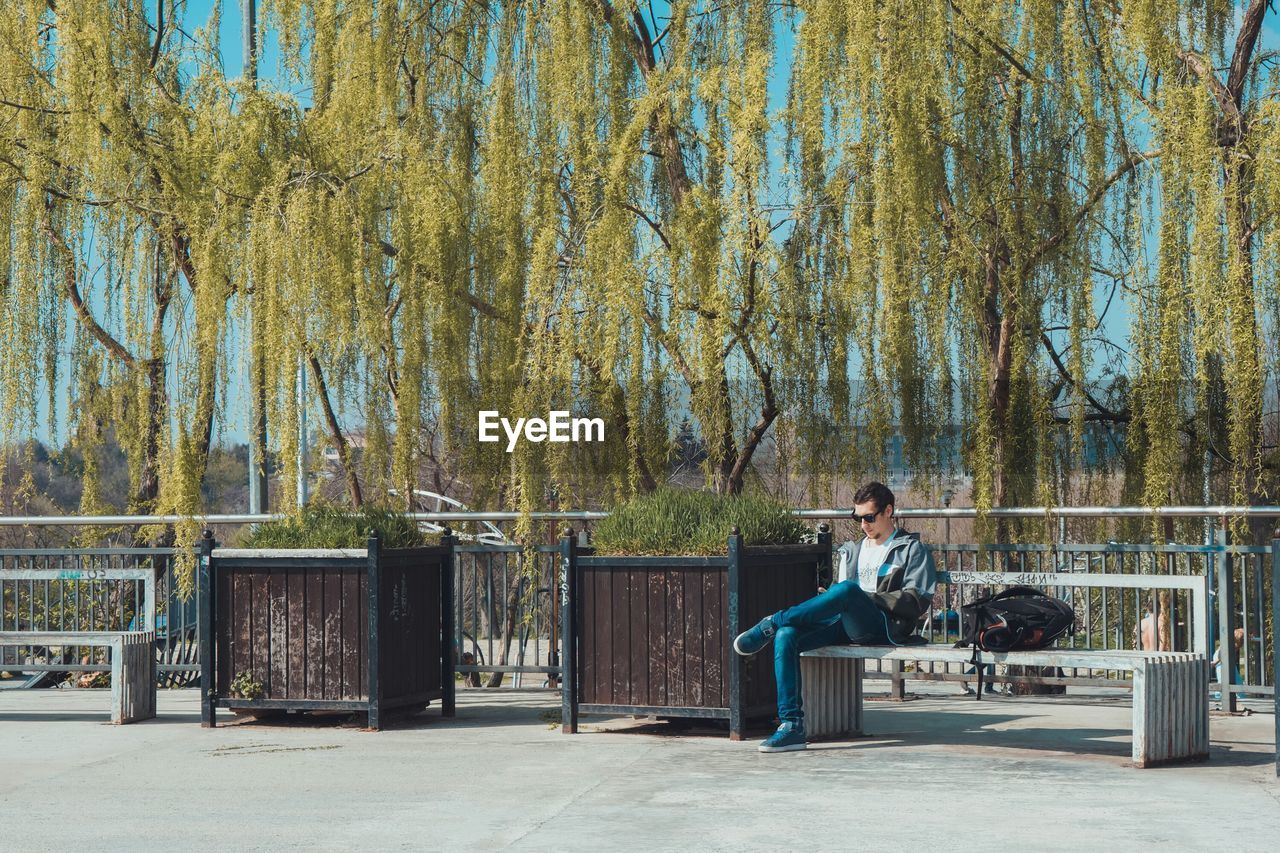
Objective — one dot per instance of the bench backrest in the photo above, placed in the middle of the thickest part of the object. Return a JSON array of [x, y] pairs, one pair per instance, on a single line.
[[1196, 585], [147, 577]]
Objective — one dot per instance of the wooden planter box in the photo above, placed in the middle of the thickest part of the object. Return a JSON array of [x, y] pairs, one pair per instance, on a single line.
[[654, 635], [362, 630]]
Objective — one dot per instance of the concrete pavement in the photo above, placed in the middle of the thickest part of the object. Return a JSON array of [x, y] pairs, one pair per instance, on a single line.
[[942, 772]]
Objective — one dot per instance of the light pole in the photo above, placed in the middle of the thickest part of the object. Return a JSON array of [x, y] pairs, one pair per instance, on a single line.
[[258, 488], [946, 520], [303, 462]]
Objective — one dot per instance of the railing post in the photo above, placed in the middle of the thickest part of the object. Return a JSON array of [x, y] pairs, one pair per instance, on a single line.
[[1226, 610], [554, 658], [897, 682], [205, 589], [1275, 636], [568, 633]]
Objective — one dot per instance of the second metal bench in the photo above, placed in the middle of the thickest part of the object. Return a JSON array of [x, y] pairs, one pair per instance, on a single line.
[[132, 653], [1170, 689]]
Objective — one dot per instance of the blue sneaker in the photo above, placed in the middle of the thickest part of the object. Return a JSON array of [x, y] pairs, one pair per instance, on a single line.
[[788, 738], [754, 639]]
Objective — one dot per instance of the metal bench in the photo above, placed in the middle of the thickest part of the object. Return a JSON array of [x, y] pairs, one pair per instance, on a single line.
[[132, 653], [1170, 689]]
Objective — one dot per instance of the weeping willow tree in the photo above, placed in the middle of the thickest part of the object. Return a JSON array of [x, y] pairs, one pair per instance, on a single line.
[[151, 202], [960, 213], [656, 225], [1206, 328], [111, 242], [553, 205], [973, 175]]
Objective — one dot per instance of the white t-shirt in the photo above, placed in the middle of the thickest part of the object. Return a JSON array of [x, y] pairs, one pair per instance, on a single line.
[[871, 563]]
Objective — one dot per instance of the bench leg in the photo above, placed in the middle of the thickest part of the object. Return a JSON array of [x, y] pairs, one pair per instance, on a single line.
[[116, 650], [1170, 711], [133, 679], [1194, 733], [831, 690], [897, 682]]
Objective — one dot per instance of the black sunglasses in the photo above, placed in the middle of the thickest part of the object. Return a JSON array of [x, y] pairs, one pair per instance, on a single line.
[[869, 517]]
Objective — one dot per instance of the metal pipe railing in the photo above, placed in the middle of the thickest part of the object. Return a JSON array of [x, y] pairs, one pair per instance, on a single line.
[[1049, 512]]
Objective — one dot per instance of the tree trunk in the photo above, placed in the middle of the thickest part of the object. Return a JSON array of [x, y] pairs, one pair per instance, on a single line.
[[335, 433]]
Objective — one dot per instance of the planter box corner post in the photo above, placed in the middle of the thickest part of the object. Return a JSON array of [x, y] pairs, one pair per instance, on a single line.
[[568, 632], [734, 580]]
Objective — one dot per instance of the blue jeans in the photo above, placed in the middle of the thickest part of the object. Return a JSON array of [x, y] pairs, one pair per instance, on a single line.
[[842, 614]]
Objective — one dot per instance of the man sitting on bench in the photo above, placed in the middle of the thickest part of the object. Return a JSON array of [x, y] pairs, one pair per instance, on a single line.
[[883, 588]]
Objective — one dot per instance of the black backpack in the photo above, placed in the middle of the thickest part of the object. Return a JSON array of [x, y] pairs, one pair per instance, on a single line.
[[1016, 619]]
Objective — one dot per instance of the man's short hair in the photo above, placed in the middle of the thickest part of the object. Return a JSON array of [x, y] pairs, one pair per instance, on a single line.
[[877, 492]]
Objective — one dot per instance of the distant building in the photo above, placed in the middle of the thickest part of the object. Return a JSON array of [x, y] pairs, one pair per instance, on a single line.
[[357, 441]]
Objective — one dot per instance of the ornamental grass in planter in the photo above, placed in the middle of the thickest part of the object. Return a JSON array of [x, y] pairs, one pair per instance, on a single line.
[[654, 605], [331, 610]]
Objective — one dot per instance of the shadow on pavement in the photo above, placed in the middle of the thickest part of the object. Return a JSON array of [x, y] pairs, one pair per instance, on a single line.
[[89, 717]]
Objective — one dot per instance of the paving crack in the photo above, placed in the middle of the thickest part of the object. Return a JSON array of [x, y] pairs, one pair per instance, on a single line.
[[576, 796]]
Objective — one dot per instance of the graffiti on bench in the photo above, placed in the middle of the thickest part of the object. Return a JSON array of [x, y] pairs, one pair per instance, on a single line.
[[1011, 578], [82, 574]]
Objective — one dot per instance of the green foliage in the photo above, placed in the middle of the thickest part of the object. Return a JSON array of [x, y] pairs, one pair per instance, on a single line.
[[327, 526], [678, 521], [245, 686]]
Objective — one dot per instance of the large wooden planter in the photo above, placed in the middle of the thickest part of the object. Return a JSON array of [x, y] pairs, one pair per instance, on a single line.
[[362, 630], [654, 635]]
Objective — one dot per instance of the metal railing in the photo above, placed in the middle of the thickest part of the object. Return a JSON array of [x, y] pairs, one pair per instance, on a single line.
[[489, 593], [506, 617], [817, 513]]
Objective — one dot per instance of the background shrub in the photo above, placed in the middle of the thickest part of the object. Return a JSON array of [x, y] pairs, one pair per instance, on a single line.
[[678, 521], [326, 526]]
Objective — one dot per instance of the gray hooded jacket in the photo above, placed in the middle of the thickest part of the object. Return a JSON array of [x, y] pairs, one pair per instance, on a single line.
[[905, 592]]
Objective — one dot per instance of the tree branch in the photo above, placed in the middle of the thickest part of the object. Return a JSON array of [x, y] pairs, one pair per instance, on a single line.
[[1246, 40], [29, 108], [672, 348], [640, 46], [1049, 244], [155, 48], [768, 413], [1105, 413], [657, 229], [71, 286], [1221, 93], [992, 43]]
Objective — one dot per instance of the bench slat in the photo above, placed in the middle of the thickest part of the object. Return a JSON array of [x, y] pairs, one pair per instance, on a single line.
[[1082, 658]]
